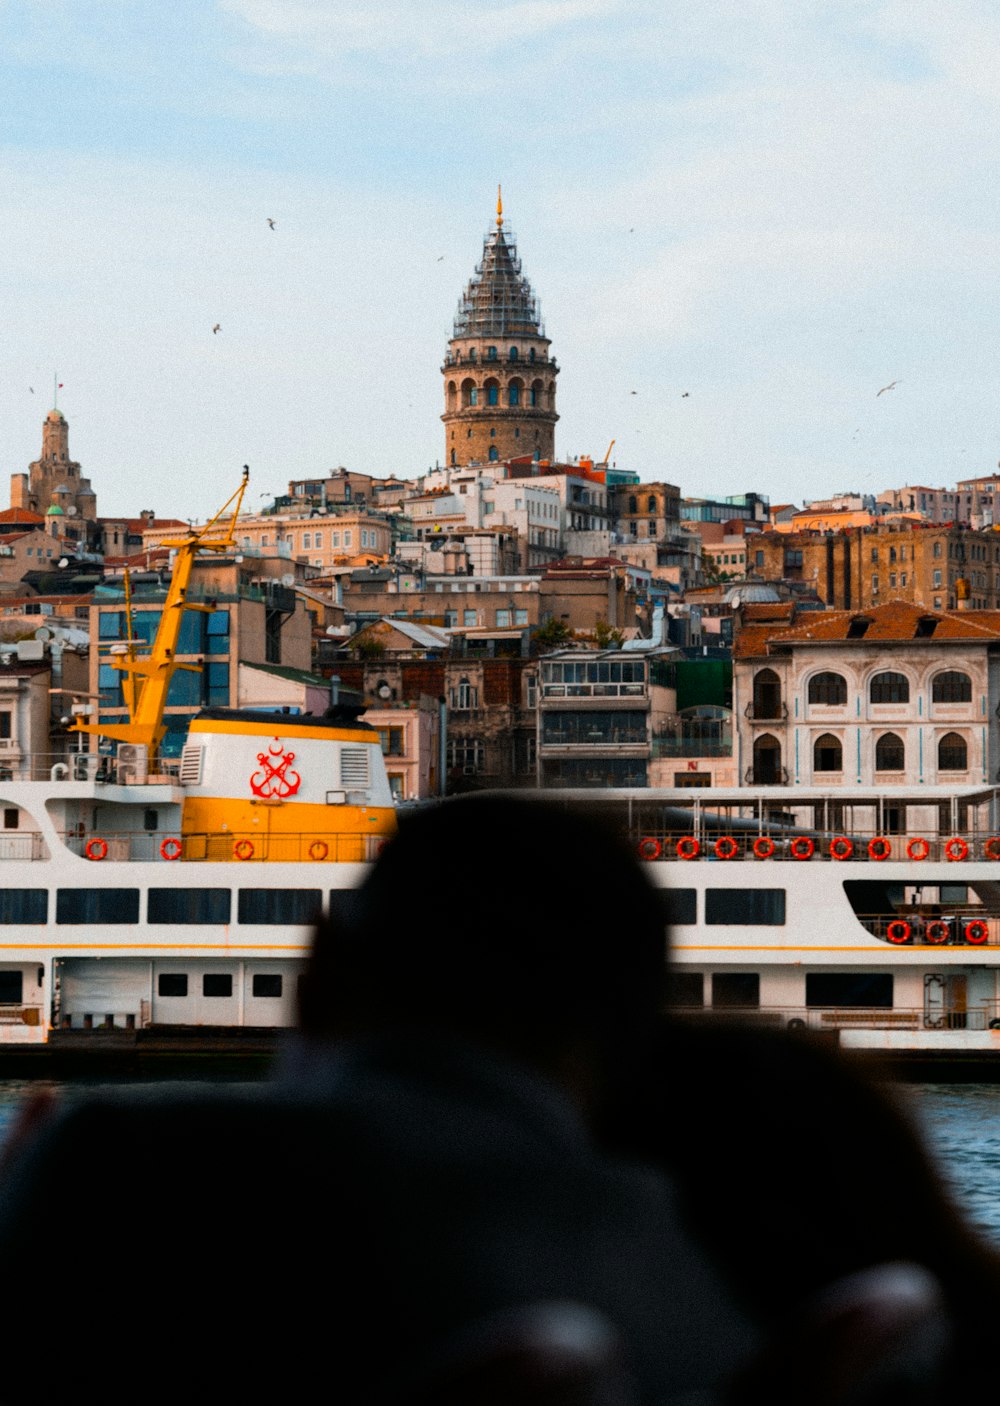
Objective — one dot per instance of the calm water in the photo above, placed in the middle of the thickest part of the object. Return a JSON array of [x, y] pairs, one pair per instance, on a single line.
[[961, 1121]]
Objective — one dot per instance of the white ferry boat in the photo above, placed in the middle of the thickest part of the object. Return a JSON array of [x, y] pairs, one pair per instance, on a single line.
[[133, 899], [871, 914]]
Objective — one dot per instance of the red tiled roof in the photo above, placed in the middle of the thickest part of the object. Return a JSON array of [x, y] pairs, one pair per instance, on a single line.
[[20, 515], [893, 623]]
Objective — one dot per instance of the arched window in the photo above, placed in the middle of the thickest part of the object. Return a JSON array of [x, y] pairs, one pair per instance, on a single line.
[[766, 761], [651, 504], [514, 393], [494, 454], [513, 353], [452, 395], [633, 504], [472, 353], [766, 694], [951, 687], [468, 392], [454, 457], [492, 393], [491, 353], [474, 396], [552, 395], [889, 753], [531, 354], [828, 755], [889, 688], [953, 753], [828, 689]]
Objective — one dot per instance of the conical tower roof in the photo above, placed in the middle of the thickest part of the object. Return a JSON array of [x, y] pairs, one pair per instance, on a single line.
[[498, 300]]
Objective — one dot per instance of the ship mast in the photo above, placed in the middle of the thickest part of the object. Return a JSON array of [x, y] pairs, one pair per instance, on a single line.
[[148, 676]]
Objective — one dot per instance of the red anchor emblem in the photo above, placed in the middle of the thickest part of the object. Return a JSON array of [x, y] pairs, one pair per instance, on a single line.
[[274, 780]]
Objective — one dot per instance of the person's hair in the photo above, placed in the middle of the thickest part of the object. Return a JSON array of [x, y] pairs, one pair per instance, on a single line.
[[498, 917]]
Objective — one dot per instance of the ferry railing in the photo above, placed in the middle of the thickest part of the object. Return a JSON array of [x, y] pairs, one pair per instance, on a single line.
[[742, 840], [842, 1018], [923, 929], [102, 1020], [17, 1013], [251, 846], [27, 845]]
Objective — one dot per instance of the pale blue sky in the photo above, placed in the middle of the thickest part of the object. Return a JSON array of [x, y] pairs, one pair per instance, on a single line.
[[777, 207]]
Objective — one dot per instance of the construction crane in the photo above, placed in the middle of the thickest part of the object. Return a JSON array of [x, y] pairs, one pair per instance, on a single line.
[[148, 676], [607, 456]]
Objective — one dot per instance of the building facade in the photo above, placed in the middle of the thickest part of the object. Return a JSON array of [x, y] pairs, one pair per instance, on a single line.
[[54, 481]]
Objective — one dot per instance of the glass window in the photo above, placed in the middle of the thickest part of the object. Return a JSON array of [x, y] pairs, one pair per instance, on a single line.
[[188, 906], [172, 984], [889, 688], [520, 617], [889, 753], [849, 989], [23, 906], [493, 395], [679, 906], [503, 619], [469, 617], [97, 905], [736, 991], [217, 985], [951, 687], [758, 907], [828, 754], [828, 689], [11, 988], [953, 753], [276, 906], [267, 985]]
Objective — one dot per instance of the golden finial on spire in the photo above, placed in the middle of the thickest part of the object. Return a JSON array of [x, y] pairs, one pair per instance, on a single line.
[[499, 208]]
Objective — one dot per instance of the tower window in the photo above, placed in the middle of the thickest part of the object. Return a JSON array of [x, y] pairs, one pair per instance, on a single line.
[[513, 353], [474, 396], [472, 353], [531, 354], [493, 434], [491, 353], [494, 455], [514, 394], [493, 394]]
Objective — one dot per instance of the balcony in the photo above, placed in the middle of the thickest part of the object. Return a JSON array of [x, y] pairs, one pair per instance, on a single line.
[[765, 711]]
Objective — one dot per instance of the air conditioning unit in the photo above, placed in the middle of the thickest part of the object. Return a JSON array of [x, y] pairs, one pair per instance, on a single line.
[[133, 763]]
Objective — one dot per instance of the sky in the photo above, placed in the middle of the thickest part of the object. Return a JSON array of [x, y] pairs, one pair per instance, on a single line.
[[776, 207]]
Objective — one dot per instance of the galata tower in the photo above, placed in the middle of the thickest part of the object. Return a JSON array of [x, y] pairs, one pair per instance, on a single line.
[[499, 380]]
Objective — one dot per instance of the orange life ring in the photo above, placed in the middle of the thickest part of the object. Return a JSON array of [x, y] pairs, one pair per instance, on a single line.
[[841, 848], [976, 932], [170, 848], [899, 931], [650, 848], [802, 847], [956, 849], [319, 849], [726, 847], [879, 848], [243, 849], [688, 847], [918, 848], [936, 932], [763, 847], [96, 848], [991, 848]]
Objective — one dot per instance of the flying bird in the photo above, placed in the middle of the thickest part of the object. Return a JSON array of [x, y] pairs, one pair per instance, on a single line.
[[886, 388], [31, 389], [633, 392], [439, 258], [217, 328], [685, 394], [270, 224]]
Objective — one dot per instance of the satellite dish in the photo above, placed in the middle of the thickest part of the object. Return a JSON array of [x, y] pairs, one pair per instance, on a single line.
[[736, 600], [384, 691], [288, 579], [43, 633], [71, 510], [62, 563]]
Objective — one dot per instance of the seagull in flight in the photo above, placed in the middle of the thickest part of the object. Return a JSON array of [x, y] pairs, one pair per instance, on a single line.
[[31, 389], [633, 392], [270, 224], [217, 328], [889, 387], [439, 258], [685, 394]]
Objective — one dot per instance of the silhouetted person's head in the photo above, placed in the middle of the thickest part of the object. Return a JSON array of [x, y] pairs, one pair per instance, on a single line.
[[514, 922]]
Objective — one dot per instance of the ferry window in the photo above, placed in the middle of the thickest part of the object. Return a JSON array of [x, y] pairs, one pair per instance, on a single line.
[[23, 906], [679, 906], [889, 687], [760, 907], [189, 906], [267, 985], [953, 754], [11, 988], [10, 818], [954, 893], [97, 905], [889, 753], [5, 724], [172, 984], [277, 906], [950, 687], [217, 985], [685, 989], [736, 991], [849, 989], [150, 820]]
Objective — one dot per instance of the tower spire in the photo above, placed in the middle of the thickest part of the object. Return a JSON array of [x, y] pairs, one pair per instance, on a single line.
[[499, 208]]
